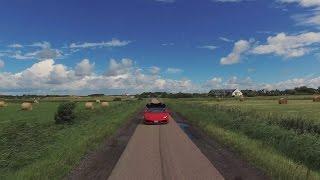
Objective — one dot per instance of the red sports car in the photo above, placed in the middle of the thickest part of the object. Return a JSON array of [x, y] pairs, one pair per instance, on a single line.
[[156, 114]]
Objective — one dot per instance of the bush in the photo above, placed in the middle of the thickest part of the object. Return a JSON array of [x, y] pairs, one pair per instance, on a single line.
[[65, 113], [140, 98], [117, 99]]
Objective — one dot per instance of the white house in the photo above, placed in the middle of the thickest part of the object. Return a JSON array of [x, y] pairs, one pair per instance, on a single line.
[[237, 93]]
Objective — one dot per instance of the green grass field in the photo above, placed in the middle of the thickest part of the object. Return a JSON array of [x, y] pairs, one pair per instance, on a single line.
[[296, 108], [32, 146], [282, 140]]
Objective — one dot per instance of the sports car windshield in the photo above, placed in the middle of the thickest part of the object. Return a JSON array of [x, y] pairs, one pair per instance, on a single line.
[[156, 109]]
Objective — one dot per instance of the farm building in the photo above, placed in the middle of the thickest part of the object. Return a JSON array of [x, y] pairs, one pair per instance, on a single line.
[[237, 93], [225, 92]]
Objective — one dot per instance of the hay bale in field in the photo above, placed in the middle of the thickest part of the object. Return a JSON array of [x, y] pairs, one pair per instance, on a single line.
[[2, 104], [89, 105], [104, 104], [98, 101], [283, 101], [316, 99], [241, 98], [26, 106]]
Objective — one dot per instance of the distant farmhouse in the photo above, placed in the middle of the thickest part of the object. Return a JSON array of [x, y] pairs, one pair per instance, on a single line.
[[225, 93]]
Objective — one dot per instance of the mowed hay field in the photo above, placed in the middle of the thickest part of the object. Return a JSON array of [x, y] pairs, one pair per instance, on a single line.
[[32, 146], [295, 108], [282, 140]]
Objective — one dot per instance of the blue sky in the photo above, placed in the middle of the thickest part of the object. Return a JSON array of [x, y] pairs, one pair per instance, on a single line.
[[118, 46]]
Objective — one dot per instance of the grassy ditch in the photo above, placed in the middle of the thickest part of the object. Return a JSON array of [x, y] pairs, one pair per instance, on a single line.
[[283, 153]]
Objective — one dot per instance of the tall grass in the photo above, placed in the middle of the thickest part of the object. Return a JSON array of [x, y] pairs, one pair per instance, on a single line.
[[32, 146], [281, 152]]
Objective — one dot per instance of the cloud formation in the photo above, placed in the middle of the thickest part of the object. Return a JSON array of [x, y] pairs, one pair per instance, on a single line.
[[37, 51], [112, 43], [84, 68], [286, 46], [154, 70], [210, 47], [15, 46], [311, 17], [225, 39], [48, 77], [234, 57], [289, 46]]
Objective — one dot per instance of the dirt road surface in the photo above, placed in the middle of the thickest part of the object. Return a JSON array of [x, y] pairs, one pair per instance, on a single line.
[[157, 152]]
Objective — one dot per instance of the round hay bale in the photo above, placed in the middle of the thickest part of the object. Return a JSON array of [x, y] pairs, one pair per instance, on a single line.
[[26, 106], [104, 104], [283, 101], [98, 101], [2, 104], [89, 105], [241, 98], [316, 99]]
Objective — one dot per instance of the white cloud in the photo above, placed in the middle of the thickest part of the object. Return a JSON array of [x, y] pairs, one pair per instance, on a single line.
[[37, 50], [288, 46], [167, 44], [225, 39], [240, 47], [122, 67], [59, 74], [46, 53], [214, 83], [112, 43], [311, 17], [313, 82], [47, 76], [1, 63], [15, 46], [304, 3], [84, 68], [246, 83], [210, 47], [154, 70], [174, 70], [43, 45]]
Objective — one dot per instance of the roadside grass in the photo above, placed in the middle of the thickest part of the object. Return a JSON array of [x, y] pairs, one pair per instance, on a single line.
[[282, 153], [32, 146]]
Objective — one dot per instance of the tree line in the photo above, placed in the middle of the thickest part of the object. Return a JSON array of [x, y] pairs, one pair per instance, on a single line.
[[303, 90]]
